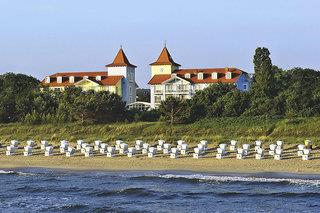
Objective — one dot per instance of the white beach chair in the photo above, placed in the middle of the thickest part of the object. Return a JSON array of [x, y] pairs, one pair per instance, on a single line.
[[278, 154], [205, 144], [152, 152], [240, 154], [131, 152], [70, 152], [138, 145], [97, 145], [260, 154], [64, 146], [123, 148], [258, 145], [301, 147], [103, 148], [145, 148], [305, 155], [11, 150], [166, 148], [44, 144], [48, 151], [88, 151], [233, 145], [110, 151], [14, 143], [118, 142], [220, 152], [184, 149], [246, 149], [79, 144], [272, 148], [27, 151]]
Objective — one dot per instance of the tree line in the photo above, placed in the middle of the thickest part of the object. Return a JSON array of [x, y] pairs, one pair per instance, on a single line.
[[275, 93]]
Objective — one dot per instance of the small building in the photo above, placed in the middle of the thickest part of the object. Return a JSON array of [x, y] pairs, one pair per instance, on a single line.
[[167, 79], [118, 78]]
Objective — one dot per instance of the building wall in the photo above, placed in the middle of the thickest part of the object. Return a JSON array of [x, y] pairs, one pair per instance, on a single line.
[[242, 81], [127, 82], [162, 69]]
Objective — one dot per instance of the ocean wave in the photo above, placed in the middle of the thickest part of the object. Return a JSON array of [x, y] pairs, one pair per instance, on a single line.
[[4, 172], [139, 192], [224, 179]]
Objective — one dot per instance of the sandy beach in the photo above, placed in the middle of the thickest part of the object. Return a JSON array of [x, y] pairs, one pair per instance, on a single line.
[[291, 163]]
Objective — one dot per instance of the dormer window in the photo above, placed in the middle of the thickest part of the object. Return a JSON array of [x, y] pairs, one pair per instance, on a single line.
[[47, 80], [173, 75], [98, 78], [71, 79], [214, 75], [200, 76], [187, 75], [59, 79], [85, 77], [228, 75]]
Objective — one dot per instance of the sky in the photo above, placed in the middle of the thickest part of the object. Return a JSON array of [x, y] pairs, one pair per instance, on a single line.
[[41, 37]]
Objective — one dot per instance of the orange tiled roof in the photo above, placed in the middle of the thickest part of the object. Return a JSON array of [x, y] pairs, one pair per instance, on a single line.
[[111, 80], [165, 58], [120, 60], [207, 78], [78, 76], [158, 79]]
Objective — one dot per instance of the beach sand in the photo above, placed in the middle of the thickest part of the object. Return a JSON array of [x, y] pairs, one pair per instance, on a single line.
[[291, 163]]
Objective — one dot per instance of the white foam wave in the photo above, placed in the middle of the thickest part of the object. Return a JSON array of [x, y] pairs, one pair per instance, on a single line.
[[15, 172], [221, 179]]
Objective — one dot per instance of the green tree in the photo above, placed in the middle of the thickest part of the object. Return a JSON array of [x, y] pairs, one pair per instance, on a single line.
[[201, 105], [264, 74], [174, 110], [143, 95], [15, 95]]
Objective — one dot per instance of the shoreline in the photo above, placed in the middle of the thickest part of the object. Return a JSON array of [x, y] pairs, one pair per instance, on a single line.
[[142, 163]]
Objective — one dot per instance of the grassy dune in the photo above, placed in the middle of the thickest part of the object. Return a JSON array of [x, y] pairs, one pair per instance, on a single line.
[[218, 130]]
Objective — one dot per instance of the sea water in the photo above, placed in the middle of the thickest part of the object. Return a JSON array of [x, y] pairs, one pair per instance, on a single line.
[[46, 190]]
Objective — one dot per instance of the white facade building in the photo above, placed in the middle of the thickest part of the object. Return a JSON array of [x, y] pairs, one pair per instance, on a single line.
[[167, 79]]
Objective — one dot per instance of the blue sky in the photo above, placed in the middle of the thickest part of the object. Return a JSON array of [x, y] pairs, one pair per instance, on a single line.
[[40, 37]]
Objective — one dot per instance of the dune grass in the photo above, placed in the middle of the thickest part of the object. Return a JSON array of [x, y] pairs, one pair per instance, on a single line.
[[218, 130]]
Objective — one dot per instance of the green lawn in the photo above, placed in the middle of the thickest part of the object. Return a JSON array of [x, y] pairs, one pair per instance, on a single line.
[[215, 130]]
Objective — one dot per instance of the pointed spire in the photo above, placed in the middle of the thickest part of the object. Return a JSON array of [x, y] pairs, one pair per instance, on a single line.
[[165, 58], [120, 60]]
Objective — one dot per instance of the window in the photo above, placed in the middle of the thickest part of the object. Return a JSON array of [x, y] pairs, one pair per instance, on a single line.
[[187, 75], [169, 88], [214, 75], [71, 79], [130, 90], [130, 99], [59, 79], [161, 69], [200, 75], [228, 75], [245, 87], [47, 80]]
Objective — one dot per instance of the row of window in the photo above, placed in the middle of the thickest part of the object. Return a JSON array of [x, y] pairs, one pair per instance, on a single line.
[[214, 75]]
